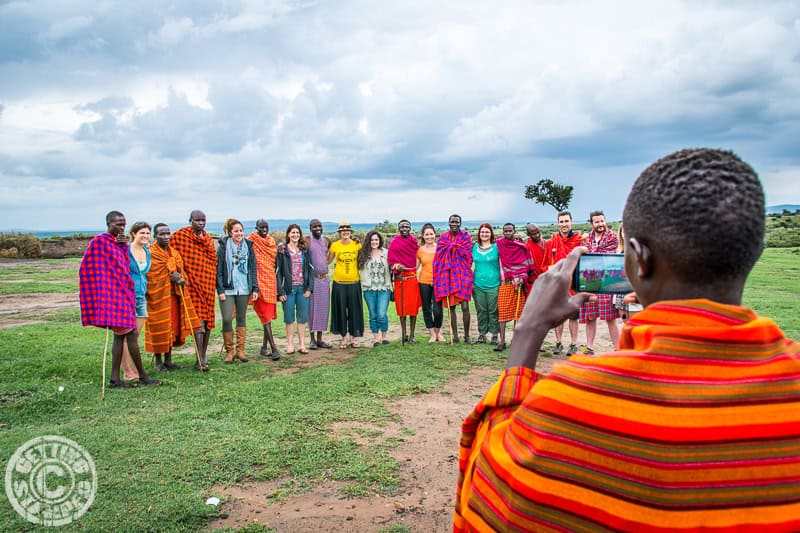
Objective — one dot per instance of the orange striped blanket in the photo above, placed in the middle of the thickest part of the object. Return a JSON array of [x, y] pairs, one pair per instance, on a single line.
[[693, 424], [167, 323]]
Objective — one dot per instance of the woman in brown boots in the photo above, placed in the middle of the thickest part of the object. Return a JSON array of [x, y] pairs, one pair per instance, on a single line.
[[237, 285]]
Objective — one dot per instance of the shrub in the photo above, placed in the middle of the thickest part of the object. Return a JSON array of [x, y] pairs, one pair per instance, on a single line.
[[19, 245]]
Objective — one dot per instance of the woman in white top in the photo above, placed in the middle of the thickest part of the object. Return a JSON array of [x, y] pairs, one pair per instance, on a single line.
[[376, 285]]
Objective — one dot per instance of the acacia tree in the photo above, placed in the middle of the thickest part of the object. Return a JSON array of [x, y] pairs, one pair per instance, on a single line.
[[547, 192]]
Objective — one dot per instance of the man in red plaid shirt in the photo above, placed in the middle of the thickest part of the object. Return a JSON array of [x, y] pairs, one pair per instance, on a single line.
[[600, 240]]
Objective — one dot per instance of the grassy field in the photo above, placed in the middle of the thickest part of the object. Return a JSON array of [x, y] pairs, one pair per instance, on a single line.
[[159, 450]]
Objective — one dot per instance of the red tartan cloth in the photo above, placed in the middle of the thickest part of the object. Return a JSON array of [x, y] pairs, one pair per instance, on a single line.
[[266, 253], [604, 307], [106, 287], [515, 260], [452, 267], [403, 250], [607, 244], [200, 263]]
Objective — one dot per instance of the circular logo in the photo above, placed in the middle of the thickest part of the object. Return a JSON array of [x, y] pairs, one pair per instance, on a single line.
[[51, 480]]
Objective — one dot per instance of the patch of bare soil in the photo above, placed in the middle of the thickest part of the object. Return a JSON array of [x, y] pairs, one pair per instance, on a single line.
[[429, 427], [14, 306]]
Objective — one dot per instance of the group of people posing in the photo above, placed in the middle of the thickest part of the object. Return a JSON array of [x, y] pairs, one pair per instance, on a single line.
[[169, 289]]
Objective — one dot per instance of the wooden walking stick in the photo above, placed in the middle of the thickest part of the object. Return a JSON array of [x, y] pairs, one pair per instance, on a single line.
[[189, 321], [402, 310], [449, 317], [105, 353], [516, 307]]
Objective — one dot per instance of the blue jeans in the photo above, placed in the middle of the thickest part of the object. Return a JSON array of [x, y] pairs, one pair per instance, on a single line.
[[295, 301], [377, 304]]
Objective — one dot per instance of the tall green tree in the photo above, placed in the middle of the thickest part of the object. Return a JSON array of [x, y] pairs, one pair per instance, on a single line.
[[547, 192]]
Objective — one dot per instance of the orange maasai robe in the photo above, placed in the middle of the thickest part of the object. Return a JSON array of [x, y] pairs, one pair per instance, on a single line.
[[266, 251], [200, 261], [167, 322], [692, 425]]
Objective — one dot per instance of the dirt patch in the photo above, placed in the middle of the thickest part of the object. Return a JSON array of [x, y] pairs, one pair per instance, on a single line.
[[428, 427], [15, 304]]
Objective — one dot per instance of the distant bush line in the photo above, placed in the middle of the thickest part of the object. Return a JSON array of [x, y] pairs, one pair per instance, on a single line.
[[782, 231]]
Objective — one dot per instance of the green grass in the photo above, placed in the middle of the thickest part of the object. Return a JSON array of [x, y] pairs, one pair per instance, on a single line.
[[773, 288], [159, 451], [162, 449], [40, 276]]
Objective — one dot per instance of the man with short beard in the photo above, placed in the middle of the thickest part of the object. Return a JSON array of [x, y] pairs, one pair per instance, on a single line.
[[556, 249], [196, 247], [600, 241], [319, 303]]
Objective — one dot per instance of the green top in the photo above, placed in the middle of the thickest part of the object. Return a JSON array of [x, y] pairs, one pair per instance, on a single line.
[[487, 266]]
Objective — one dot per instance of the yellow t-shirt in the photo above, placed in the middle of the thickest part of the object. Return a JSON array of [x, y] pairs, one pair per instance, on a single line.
[[346, 268]]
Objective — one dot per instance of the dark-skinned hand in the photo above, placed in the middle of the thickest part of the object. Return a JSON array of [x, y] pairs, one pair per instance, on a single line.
[[548, 306]]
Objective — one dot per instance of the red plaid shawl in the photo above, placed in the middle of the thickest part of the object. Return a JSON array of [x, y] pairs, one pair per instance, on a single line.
[[607, 244], [515, 260], [200, 263], [106, 287], [452, 266], [266, 252]]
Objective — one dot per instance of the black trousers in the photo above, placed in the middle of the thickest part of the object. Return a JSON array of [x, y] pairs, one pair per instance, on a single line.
[[431, 309]]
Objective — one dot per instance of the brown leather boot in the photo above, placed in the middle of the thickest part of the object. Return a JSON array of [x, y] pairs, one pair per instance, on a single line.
[[227, 342], [240, 340]]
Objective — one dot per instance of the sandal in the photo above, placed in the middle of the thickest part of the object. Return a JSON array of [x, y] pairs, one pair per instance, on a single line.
[[121, 385], [500, 347], [343, 345], [150, 381], [323, 344], [303, 351], [289, 352], [354, 345]]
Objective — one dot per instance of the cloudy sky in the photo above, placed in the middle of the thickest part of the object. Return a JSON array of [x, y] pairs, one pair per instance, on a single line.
[[365, 110]]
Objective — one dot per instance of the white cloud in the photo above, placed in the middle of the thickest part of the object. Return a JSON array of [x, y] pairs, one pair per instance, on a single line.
[[412, 101]]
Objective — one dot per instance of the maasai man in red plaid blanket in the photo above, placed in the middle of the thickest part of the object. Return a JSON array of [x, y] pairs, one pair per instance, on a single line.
[[556, 249], [600, 240], [107, 298], [200, 263], [452, 273], [402, 257], [516, 268]]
